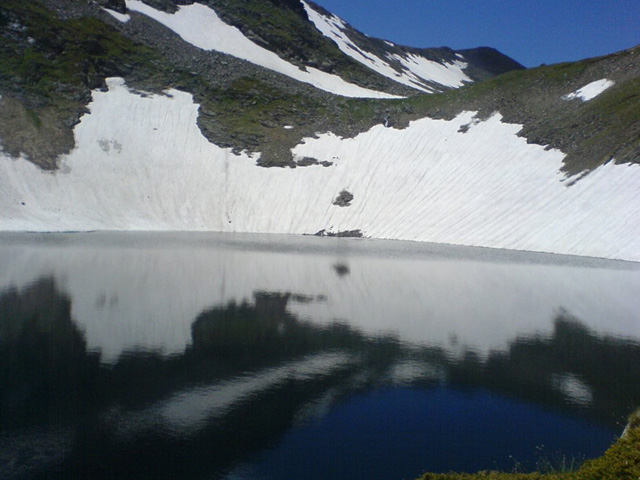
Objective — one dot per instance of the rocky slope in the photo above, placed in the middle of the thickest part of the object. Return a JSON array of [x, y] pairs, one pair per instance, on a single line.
[[56, 51], [134, 115]]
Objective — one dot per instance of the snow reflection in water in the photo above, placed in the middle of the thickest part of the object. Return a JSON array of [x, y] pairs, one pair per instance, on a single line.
[[159, 349]]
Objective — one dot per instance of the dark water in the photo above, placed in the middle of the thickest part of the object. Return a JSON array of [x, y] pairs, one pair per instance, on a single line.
[[199, 356]]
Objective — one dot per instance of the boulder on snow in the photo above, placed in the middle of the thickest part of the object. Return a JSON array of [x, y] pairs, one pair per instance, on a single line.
[[343, 199]]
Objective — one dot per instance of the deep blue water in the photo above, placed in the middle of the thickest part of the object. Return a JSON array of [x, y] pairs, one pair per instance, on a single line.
[[404, 432]]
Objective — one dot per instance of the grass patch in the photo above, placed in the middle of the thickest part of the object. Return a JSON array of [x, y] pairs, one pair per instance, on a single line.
[[51, 65], [45, 55], [34, 119], [590, 133], [282, 26]]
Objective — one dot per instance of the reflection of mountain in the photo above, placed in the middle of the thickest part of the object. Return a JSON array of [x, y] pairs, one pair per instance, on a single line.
[[265, 333], [45, 370], [142, 291], [251, 372], [599, 375]]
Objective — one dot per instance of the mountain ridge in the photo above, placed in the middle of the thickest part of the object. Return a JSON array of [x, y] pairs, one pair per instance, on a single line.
[[458, 166], [141, 63]]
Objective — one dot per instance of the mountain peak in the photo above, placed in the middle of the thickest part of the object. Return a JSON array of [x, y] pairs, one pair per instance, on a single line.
[[165, 115]]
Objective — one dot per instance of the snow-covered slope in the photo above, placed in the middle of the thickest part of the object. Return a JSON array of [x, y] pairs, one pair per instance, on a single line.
[[413, 70], [200, 26], [141, 163], [590, 91], [121, 17]]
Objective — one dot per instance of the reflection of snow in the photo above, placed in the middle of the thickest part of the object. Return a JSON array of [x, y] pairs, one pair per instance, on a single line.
[[143, 291], [187, 411], [573, 388], [318, 408], [407, 372]]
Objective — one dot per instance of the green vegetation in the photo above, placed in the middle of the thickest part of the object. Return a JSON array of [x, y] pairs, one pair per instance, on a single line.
[[46, 56], [250, 114], [34, 118], [51, 65], [620, 462], [282, 26], [48, 67], [590, 133]]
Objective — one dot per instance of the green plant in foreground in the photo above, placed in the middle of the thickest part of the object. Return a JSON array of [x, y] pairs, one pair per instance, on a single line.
[[557, 462], [620, 462]]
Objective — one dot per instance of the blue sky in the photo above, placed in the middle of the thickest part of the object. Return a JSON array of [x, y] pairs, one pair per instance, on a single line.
[[530, 31]]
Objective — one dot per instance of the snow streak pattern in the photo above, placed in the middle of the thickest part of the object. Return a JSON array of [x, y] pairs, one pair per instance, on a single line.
[[141, 163], [417, 71], [200, 26]]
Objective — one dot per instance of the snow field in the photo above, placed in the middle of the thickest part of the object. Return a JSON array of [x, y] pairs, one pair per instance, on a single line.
[[416, 69], [141, 163], [590, 91], [121, 17], [200, 26]]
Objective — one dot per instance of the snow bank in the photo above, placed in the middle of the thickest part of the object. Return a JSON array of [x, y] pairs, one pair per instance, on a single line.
[[447, 74], [200, 26], [591, 91], [416, 69], [121, 17], [141, 163]]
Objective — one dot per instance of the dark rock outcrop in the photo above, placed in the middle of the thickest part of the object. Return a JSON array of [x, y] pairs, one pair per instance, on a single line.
[[343, 199], [117, 5]]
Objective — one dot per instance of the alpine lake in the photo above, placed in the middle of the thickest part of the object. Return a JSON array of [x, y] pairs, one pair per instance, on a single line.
[[200, 356]]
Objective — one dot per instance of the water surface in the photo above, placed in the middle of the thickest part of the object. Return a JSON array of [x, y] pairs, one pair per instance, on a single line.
[[204, 356]]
